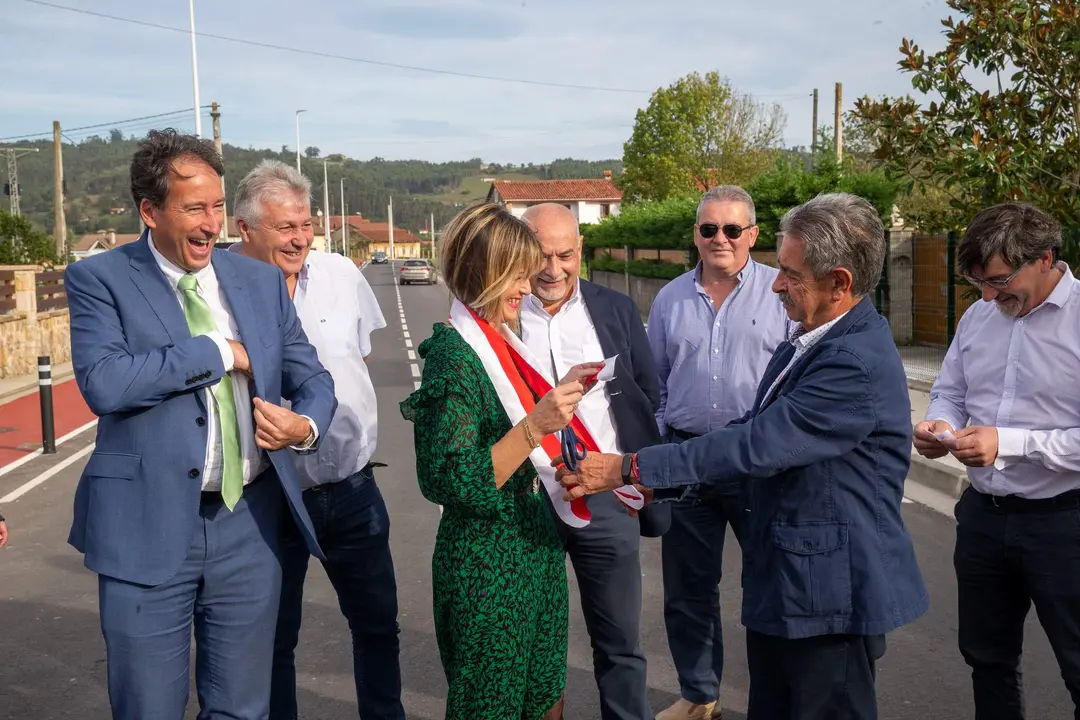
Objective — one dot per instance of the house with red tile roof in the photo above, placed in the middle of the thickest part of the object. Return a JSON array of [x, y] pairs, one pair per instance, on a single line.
[[590, 199], [101, 241]]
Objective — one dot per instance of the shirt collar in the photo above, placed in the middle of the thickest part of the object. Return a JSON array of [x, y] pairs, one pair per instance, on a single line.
[[804, 340], [1063, 290], [743, 275]]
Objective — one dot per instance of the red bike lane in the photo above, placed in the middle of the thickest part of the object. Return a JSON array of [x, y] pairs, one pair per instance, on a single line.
[[20, 420]]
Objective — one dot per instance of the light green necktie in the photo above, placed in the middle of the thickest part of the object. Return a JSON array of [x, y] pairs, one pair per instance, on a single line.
[[200, 322]]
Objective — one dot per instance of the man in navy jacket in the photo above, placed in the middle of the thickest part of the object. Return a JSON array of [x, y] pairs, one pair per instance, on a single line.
[[829, 567]]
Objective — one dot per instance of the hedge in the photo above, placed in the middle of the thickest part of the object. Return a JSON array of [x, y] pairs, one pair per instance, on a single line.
[[666, 225], [639, 268]]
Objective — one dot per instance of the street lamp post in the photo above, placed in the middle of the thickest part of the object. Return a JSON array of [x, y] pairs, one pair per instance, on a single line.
[[194, 69], [298, 139]]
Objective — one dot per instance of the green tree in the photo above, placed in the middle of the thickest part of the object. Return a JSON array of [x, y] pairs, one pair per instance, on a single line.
[[1019, 140], [21, 244], [697, 133]]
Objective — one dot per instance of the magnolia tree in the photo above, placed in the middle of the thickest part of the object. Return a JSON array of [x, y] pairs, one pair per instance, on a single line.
[[1003, 117]]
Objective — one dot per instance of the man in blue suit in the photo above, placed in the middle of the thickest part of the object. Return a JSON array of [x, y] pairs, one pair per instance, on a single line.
[[184, 351], [828, 565]]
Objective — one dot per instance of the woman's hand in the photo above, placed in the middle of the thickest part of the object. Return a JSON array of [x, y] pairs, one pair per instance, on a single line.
[[585, 373], [555, 409]]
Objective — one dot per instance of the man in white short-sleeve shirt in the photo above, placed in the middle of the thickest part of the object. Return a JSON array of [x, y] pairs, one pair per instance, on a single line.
[[338, 312]]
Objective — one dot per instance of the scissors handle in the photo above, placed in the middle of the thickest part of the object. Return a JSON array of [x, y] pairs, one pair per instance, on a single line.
[[573, 450]]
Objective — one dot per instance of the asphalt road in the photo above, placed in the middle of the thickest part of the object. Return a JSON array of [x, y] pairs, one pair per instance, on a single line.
[[52, 656]]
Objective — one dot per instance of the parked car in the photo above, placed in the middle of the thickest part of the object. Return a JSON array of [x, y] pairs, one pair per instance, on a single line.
[[417, 271], [378, 258]]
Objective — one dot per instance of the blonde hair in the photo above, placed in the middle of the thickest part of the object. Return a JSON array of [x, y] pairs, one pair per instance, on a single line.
[[482, 252]]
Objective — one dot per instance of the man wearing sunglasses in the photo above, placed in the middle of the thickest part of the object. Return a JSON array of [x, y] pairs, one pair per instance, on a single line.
[[1007, 404], [712, 332]]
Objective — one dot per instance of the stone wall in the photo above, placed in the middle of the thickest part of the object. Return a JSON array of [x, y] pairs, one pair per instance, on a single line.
[[25, 333]]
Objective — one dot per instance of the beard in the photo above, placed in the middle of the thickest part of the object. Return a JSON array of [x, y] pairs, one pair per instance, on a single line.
[[551, 294], [1010, 307]]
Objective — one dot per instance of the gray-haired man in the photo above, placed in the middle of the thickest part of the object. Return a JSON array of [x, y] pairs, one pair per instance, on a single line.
[[712, 332], [338, 312]]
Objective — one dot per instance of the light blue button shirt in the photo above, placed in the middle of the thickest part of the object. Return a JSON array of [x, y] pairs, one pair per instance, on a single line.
[[1022, 376], [710, 362]]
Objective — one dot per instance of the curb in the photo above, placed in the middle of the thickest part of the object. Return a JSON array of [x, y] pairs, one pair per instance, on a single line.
[[31, 387], [937, 476]]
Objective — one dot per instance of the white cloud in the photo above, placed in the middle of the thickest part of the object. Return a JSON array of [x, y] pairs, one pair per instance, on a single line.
[[97, 70]]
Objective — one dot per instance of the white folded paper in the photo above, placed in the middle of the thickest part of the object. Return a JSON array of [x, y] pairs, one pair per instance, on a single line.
[[947, 439]]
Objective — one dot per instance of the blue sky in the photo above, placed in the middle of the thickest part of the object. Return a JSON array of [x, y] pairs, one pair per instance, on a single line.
[[84, 70]]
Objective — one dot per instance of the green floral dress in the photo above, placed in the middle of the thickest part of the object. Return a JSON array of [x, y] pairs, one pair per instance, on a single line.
[[498, 569]]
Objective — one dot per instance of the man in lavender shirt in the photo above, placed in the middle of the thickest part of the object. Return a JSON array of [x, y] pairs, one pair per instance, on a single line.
[[1007, 404], [712, 330]]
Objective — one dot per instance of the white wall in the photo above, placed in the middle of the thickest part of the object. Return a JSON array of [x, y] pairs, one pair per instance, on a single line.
[[585, 211]]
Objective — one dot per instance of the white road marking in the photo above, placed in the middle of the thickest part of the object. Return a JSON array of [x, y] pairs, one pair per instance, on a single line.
[[415, 370], [412, 355], [408, 343], [404, 327], [27, 487], [406, 334], [37, 453], [416, 384]]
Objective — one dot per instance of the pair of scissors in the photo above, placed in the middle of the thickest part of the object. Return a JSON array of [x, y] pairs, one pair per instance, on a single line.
[[573, 450]]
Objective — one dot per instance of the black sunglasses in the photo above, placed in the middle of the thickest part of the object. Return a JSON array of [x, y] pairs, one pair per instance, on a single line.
[[731, 231]]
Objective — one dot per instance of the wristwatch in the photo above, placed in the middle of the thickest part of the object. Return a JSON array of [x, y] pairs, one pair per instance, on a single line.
[[628, 469]]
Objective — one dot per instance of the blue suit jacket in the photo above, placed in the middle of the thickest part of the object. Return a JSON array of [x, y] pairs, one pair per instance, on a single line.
[[826, 550], [142, 373], [635, 391]]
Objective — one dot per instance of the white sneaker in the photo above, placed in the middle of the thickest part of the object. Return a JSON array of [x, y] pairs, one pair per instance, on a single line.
[[686, 710]]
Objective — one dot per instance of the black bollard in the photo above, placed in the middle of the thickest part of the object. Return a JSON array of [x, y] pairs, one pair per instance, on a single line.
[[48, 429]]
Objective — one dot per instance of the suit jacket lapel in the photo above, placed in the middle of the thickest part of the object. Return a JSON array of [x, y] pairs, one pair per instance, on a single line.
[[779, 361], [155, 288], [601, 318], [244, 315]]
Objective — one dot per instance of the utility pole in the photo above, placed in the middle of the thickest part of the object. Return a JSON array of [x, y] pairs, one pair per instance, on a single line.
[[195, 70], [838, 140], [432, 235], [59, 221], [298, 139], [390, 225], [13, 175], [215, 114], [344, 221], [813, 137], [326, 207]]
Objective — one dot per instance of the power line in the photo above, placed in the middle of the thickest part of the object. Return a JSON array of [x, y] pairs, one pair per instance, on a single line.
[[366, 61], [99, 126]]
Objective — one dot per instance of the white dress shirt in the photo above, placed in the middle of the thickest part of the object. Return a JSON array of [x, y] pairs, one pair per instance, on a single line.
[[339, 312], [563, 340], [1022, 376], [254, 459]]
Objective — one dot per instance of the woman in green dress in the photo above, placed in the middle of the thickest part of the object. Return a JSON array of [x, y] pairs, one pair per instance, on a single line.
[[498, 568]]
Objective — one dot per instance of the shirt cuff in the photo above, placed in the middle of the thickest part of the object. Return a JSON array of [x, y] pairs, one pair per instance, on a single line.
[[1011, 445], [314, 436], [227, 358]]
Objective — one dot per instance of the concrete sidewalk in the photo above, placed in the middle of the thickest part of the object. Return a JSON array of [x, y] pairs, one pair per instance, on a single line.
[[14, 388]]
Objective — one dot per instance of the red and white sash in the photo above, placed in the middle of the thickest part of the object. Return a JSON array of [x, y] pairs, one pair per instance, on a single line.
[[515, 375]]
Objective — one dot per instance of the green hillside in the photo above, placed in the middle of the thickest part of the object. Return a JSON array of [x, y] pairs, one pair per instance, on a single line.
[[96, 175]]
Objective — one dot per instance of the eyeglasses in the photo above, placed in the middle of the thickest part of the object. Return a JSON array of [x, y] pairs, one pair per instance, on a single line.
[[996, 283], [731, 231]]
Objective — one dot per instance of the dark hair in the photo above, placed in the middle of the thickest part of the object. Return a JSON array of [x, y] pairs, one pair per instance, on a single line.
[[153, 163], [1020, 233]]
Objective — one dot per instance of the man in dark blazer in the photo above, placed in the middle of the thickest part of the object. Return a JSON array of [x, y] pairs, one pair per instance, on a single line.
[[567, 321], [184, 352], [828, 567]]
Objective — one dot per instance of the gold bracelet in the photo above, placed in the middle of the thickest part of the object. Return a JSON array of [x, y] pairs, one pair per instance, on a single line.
[[528, 433]]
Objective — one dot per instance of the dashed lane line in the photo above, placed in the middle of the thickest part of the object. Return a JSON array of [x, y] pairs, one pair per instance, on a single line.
[[55, 469], [14, 465]]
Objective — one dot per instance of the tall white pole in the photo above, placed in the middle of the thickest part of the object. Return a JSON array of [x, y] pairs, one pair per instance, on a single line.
[[390, 224], [431, 235], [326, 207], [344, 220], [195, 70], [298, 139]]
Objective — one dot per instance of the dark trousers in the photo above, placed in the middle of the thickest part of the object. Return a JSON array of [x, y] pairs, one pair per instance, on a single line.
[[1011, 553], [228, 586], [608, 569], [353, 529], [829, 677], [692, 555]]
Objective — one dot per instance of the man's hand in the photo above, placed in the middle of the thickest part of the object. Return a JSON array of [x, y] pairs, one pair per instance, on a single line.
[[3, 533], [276, 427], [646, 493], [977, 446], [925, 440], [240, 357], [597, 473]]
